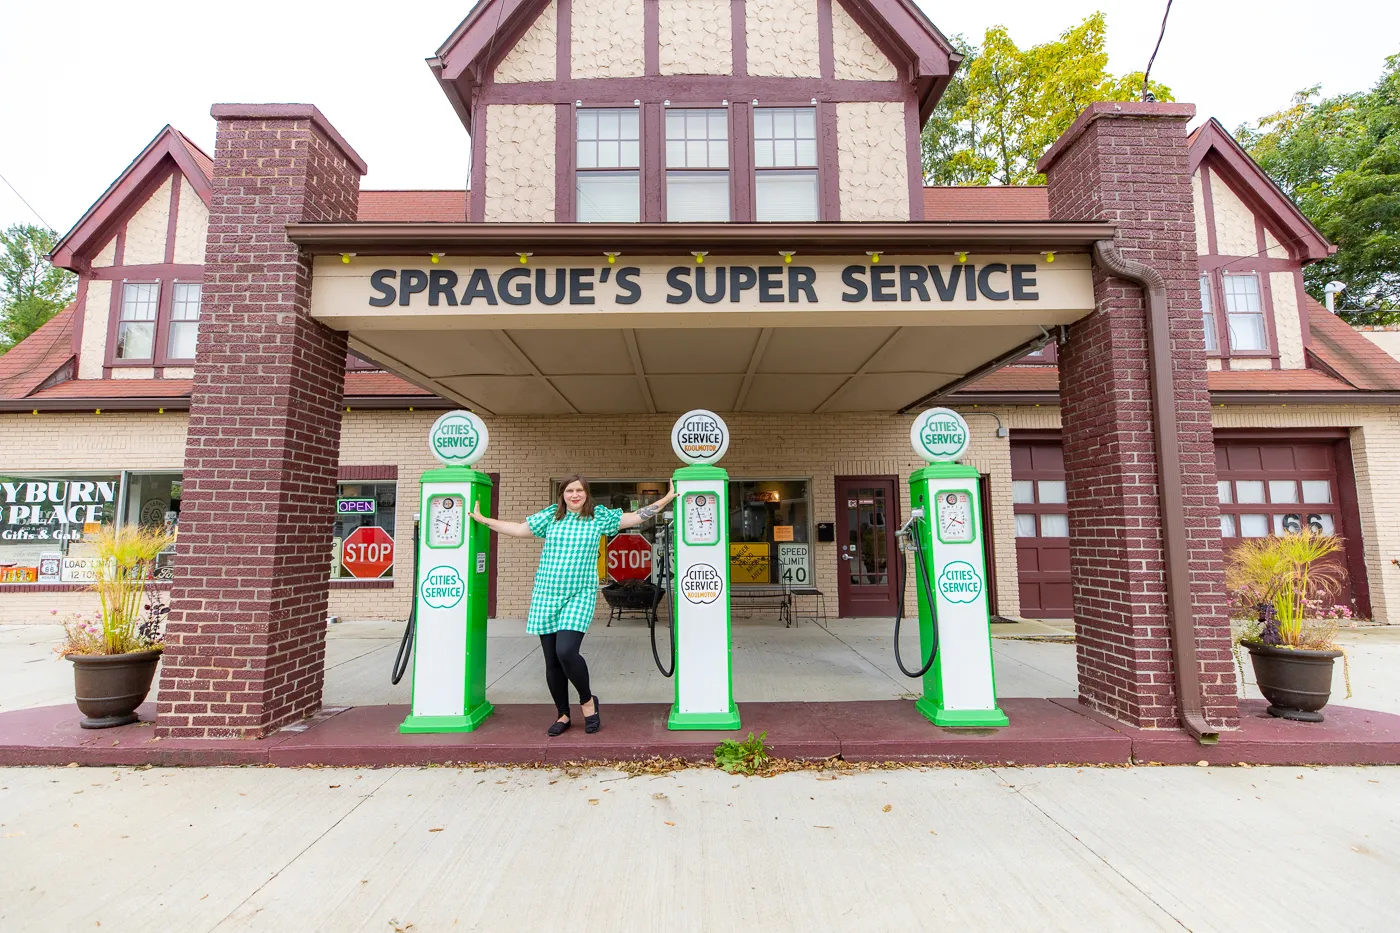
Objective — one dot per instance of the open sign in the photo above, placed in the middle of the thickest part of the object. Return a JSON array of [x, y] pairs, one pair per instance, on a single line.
[[356, 506]]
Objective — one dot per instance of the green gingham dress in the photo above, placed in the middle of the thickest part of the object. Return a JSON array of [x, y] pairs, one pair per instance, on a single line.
[[566, 585]]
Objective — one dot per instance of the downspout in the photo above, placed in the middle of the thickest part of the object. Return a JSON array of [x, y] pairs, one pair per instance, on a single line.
[[1185, 660]]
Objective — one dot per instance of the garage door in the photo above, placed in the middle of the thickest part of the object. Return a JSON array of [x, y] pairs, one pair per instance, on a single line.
[[1042, 529]]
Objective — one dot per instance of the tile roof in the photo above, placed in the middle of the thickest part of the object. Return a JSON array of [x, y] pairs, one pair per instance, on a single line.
[[446, 207], [357, 385], [953, 203], [1043, 378], [1338, 346], [34, 359]]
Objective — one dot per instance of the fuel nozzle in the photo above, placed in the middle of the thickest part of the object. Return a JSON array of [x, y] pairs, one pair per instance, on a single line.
[[905, 535]]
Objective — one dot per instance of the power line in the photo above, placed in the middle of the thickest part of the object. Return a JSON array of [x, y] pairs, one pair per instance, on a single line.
[[1162, 32], [26, 203]]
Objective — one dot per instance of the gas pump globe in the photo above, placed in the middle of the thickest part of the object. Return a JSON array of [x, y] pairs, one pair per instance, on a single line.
[[449, 631], [700, 592]]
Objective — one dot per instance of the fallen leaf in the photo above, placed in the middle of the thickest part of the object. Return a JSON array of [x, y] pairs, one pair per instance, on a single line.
[[72, 764], [933, 832], [364, 881], [436, 829], [669, 823], [886, 808], [202, 898], [12, 835], [821, 827], [1300, 777], [658, 796], [593, 801], [333, 786]]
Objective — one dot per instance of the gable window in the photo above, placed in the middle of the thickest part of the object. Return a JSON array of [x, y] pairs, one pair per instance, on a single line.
[[184, 321], [608, 177], [785, 164], [697, 165], [1208, 317], [136, 328], [1244, 313]]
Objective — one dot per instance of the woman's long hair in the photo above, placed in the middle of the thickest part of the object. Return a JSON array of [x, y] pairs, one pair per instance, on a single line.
[[561, 509]]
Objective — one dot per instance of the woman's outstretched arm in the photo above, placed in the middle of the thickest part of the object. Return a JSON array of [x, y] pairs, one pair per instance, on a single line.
[[647, 512], [512, 529]]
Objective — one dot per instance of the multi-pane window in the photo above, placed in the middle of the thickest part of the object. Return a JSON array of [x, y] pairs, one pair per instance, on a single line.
[[136, 328], [1244, 313], [1208, 316], [697, 165], [608, 177], [366, 555], [785, 164], [184, 321], [1255, 508], [1040, 507]]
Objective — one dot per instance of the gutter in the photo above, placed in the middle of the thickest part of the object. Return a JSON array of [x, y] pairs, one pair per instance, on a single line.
[[991, 366], [1175, 553], [182, 403]]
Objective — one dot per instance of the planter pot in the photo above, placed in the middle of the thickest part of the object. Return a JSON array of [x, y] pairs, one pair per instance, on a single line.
[[1296, 682], [109, 687]]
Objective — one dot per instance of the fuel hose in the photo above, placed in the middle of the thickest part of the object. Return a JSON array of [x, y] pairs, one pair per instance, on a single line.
[[899, 608], [406, 646], [668, 573]]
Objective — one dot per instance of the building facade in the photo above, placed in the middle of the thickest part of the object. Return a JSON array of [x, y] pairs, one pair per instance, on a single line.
[[678, 204]]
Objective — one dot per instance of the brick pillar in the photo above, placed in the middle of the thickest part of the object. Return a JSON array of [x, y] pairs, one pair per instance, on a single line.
[[245, 643], [1128, 163]]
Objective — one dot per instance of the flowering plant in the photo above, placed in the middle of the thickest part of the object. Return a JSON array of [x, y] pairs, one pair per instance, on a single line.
[[126, 620]]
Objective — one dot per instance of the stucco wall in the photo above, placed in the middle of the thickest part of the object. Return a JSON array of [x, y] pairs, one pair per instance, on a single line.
[[191, 227], [781, 38], [1198, 198], [1251, 362], [1273, 248], [97, 310], [856, 56], [1234, 222], [872, 161], [696, 37], [533, 58], [519, 163], [106, 255], [1288, 323], [606, 39], [134, 372], [147, 228]]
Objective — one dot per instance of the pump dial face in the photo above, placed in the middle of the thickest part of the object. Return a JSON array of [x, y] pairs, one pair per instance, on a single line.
[[446, 517], [701, 518], [955, 517]]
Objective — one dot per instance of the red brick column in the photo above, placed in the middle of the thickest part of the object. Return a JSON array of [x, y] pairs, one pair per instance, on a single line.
[[1127, 163], [245, 642]]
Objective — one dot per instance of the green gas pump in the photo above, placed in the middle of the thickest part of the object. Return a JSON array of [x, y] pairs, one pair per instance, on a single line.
[[703, 666], [449, 613], [943, 535]]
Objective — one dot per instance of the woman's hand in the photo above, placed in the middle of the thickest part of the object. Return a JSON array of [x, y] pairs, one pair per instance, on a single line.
[[475, 513]]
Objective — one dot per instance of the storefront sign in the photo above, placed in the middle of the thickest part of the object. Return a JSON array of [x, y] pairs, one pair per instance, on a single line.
[[50, 568], [80, 569], [356, 506], [46, 510], [959, 582], [939, 435], [458, 438], [782, 532], [794, 564], [700, 437], [701, 584], [749, 562]]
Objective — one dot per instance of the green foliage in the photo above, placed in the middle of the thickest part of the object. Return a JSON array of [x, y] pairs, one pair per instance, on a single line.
[[31, 289], [126, 560], [1006, 105], [747, 757], [1338, 158], [1291, 574]]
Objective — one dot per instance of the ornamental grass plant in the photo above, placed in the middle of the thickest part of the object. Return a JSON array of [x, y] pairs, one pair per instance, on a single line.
[[126, 621]]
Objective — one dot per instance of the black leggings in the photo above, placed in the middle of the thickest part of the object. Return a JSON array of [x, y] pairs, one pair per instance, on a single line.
[[562, 665]]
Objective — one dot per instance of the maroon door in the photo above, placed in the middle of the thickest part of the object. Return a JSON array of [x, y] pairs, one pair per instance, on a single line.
[[867, 511], [1042, 529]]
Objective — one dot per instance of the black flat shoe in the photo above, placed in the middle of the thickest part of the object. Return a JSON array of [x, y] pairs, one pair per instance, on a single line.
[[558, 727], [592, 724]]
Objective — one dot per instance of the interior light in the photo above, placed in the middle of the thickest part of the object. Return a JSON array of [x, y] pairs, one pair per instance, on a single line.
[[612, 257], [699, 256], [787, 254], [524, 257], [1049, 255]]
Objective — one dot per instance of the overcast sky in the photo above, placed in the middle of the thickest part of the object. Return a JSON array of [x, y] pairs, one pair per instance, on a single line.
[[87, 84]]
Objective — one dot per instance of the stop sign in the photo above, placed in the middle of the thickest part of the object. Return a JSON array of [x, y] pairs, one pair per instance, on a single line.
[[367, 552], [629, 557]]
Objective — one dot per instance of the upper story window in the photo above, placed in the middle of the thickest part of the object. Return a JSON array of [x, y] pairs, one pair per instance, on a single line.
[[184, 321], [1244, 313], [785, 164], [608, 178], [1208, 317], [136, 328], [697, 165]]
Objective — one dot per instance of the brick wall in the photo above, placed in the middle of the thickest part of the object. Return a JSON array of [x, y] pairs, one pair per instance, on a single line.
[[1128, 163], [246, 637]]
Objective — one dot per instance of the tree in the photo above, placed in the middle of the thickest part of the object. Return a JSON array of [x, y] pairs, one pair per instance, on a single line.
[[1338, 158], [1006, 105], [31, 289]]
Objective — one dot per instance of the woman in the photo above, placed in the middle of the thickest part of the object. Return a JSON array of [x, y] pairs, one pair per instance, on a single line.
[[566, 585]]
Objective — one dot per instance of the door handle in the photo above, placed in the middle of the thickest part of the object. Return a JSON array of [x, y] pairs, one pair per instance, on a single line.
[[845, 557]]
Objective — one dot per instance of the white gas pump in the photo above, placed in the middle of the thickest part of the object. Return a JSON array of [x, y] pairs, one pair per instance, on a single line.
[[449, 613], [703, 667], [950, 573]]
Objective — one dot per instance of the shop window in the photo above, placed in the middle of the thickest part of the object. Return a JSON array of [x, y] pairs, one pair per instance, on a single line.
[[184, 321], [1244, 313], [364, 505], [608, 163], [629, 495], [769, 532], [136, 328], [785, 164], [697, 165], [1208, 317], [47, 524]]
